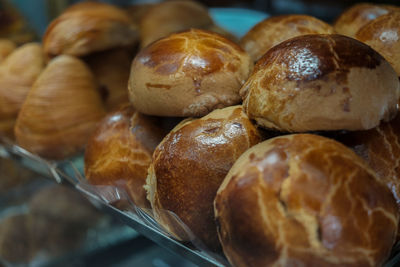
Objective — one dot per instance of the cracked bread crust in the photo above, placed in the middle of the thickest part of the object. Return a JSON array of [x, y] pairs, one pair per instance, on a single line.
[[321, 82], [304, 200], [188, 74]]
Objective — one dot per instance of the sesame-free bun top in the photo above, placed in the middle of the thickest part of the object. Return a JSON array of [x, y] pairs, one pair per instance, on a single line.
[[277, 29], [88, 27], [383, 35], [357, 16], [188, 74], [321, 82], [168, 17], [304, 200], [189, 166]]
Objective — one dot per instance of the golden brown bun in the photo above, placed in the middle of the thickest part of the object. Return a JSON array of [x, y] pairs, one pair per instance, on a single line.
[[277, 29], [6, 47], [89, 27], [357, 16], [190, 164], [383, 35], [304, 200], [111, 69], [61, 110], [119, 152], [172, 16], [188, 74], [380, 148], [18, 72], [321, 82]]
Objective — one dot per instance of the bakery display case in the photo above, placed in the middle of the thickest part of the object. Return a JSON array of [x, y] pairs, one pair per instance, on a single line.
[[237, 135]]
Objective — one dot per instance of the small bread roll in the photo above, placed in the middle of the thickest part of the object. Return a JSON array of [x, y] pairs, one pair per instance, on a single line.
[[111, 69], [383, 35], [277, 29], [190, 164], [18, 72], [358, 15], [89, 27], [119, 152], [61, 110], [304, 200], [173, 16], [6, 47], [188, 74], [321, 82]]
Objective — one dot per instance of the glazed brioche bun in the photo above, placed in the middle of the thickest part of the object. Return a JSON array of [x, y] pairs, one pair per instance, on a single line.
[[168, 17], [119, 152], [277, 29], [188, 74], [18, 72], [190, 164], [383, 35], [358, 15], [6, 47], [89, 27], [61, 110], [304, 200], [321, 82]]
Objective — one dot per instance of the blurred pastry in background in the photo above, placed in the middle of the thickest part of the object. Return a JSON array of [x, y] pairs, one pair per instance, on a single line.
[[111, 69], [13, 175], [61, 110], [6, 47], [18, 72], [277, 29], [168, 17], [137, 11], [357, 16], [119, 152], [189, 73], [89, 27], [383, 35]]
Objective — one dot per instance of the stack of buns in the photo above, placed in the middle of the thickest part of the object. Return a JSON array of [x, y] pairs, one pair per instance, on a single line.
[[215, 179]]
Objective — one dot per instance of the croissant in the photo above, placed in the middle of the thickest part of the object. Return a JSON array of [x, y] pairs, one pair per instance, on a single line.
[[111, 69], [61, 110], [17, 74], [88, 27], [6, 47]]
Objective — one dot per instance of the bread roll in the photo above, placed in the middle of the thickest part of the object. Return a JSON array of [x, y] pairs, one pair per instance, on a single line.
[[358, 15], [173, 16], [188, 167], [18, 72], [6, 47], [89, 27], [277, 29], [111, 69], [383, 35], [119, 152], [61, 110], [321, 82], [304, 200], [188, 74]]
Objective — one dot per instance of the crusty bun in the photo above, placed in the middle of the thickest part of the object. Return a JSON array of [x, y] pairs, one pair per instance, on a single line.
[[190, 164], [304, 200], [6, 47], [358, 15], [61, 110], [89, 27], [111, 69], [173, 16], [321, 82], [277, 29], [383, 35], [18, 72], [119, 152], [188, 74]]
